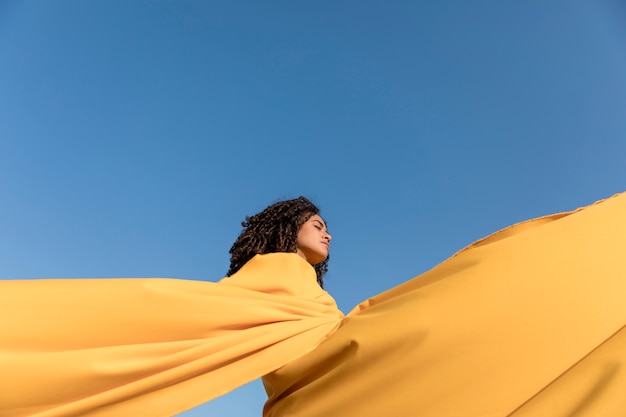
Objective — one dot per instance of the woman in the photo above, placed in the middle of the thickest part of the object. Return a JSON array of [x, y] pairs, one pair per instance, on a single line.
[[528, 321], [286, 226]]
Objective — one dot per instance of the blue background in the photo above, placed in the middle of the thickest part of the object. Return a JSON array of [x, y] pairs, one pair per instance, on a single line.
[[135, 136]]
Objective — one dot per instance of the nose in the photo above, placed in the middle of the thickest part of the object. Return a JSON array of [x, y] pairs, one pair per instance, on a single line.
[[328, 237]]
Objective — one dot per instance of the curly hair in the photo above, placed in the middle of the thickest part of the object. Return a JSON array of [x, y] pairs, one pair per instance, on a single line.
[[275, 229]]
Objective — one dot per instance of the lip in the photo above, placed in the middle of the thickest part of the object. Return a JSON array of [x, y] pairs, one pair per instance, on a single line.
[[326, 244]]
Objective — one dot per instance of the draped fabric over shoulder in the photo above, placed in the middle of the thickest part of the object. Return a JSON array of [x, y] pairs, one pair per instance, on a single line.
[[154, 347], [527, 322]]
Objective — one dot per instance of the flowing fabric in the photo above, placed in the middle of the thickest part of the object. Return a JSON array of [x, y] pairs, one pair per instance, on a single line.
[[527, 322], [154, 347]]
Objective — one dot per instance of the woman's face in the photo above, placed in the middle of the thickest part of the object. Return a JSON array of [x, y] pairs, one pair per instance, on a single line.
[[313, 240]]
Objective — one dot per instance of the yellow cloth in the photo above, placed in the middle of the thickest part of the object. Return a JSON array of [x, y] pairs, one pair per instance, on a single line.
[[153, 347], [527, 322]]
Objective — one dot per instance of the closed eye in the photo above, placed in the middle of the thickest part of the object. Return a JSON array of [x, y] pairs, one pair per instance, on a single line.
[[318, 225]]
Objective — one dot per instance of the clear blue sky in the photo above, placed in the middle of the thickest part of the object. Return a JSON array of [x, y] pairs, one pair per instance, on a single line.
[[136, 135]]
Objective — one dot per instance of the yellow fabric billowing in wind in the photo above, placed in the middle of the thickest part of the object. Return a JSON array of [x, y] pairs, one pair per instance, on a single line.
[[153, 347], [526, 322]]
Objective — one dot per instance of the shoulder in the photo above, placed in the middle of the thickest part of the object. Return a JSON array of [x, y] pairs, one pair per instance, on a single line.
[[277, 273]]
